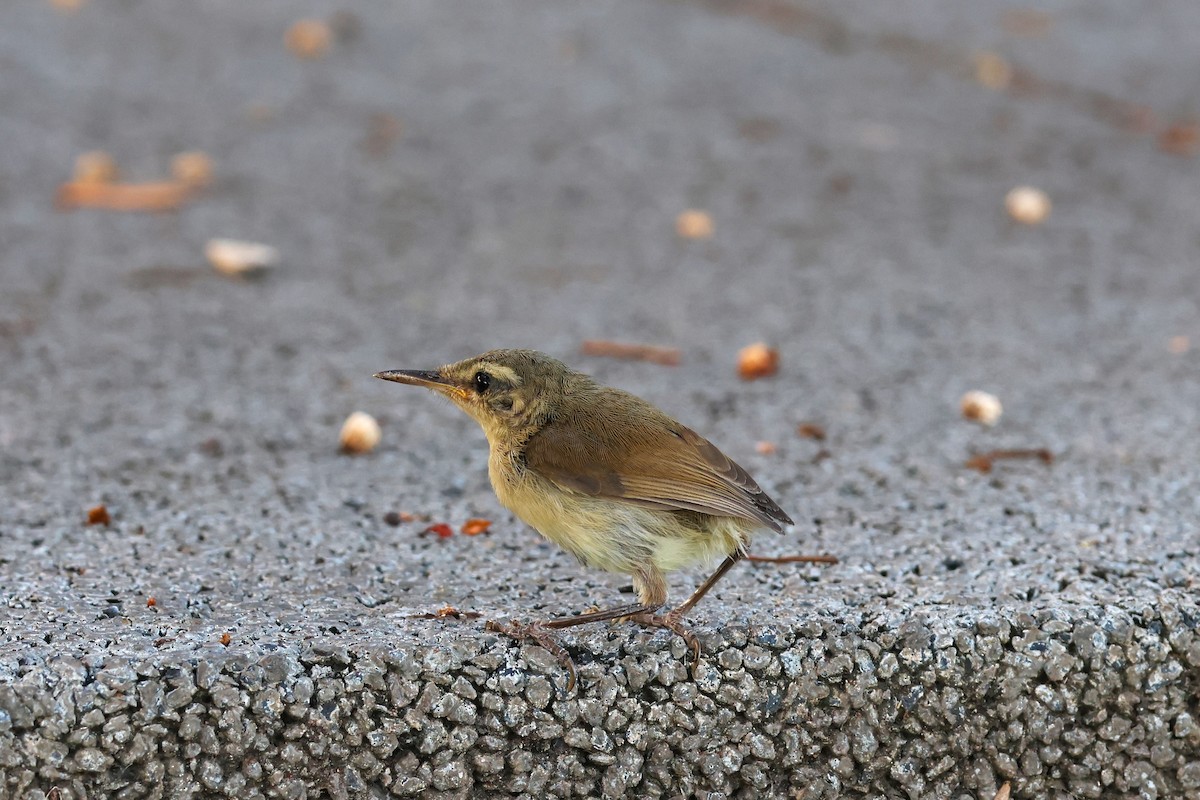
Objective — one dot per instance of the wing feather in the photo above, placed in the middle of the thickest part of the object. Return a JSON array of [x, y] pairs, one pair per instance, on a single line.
[[652, 460]]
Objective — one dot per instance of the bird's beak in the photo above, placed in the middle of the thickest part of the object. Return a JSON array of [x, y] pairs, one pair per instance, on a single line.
[[420, 377]]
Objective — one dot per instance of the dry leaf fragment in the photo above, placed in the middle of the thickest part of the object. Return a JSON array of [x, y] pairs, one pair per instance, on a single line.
[[234, 257], [1004, 792], [757, 361], [476, 526], [95, 166], [226, 639], [792, 559], [979, 464], [983, 462], [694, 224], [153, 196], [1180, 138], [442, 530], [308, 38], [192, 168], [98, 515], [1027, 205], [360, 433], [764, 448], [1027, 22], [151, 602], [667, 356], [981, 407], [810, 430]]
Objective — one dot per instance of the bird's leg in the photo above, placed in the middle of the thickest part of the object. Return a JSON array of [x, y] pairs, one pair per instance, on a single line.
[[704, 588], [539, 631], [673, 619]]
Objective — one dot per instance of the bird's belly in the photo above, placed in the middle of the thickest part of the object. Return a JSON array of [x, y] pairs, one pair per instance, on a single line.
[[618, 536]]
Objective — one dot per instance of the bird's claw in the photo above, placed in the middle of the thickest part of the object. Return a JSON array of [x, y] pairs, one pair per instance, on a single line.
[[537, 633], [674, 623]]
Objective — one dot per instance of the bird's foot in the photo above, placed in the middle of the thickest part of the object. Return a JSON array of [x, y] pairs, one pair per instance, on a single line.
[[674, 623], [536, 632]]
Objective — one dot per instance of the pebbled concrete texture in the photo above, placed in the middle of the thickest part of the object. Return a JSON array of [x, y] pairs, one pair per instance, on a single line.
[[1035, 625]]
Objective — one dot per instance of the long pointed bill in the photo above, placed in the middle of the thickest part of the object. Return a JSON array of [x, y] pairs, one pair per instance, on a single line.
[[419, 377]]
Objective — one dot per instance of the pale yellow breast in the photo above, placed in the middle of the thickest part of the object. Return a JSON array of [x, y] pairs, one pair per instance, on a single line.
[[609, 534]]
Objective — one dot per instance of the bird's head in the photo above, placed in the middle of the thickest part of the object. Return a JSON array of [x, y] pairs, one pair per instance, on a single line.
[[510, 393]]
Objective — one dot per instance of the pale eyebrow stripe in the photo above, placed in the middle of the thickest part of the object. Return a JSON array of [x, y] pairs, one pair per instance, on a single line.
[[505, 374]]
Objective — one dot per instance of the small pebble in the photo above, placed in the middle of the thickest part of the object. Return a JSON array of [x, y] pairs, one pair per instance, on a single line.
[[981, 407], [233, 257], [992, 70], [360, 433], [308, 38], [1027, 205], [694, 224]]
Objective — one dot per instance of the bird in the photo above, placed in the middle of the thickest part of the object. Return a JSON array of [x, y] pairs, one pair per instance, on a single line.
[[609, 478]]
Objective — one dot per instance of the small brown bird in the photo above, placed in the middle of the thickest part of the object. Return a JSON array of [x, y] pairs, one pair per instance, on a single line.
[[609, 478]]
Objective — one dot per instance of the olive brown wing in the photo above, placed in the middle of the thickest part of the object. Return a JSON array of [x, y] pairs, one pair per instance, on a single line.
[[649, 460]]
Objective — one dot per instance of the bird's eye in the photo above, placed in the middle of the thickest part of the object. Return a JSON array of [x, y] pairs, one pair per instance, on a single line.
[[482, 381]]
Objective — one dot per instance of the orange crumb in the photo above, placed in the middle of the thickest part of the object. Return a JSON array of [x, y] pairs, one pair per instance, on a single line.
[[757, 361], [476, 526], [308, 38], [667, 356], [694, 224]]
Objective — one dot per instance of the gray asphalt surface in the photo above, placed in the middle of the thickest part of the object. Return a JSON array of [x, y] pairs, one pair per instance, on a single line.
[[1036, 625]]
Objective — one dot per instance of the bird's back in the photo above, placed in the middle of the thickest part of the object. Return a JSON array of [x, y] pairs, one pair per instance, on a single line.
[[605, 442]]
